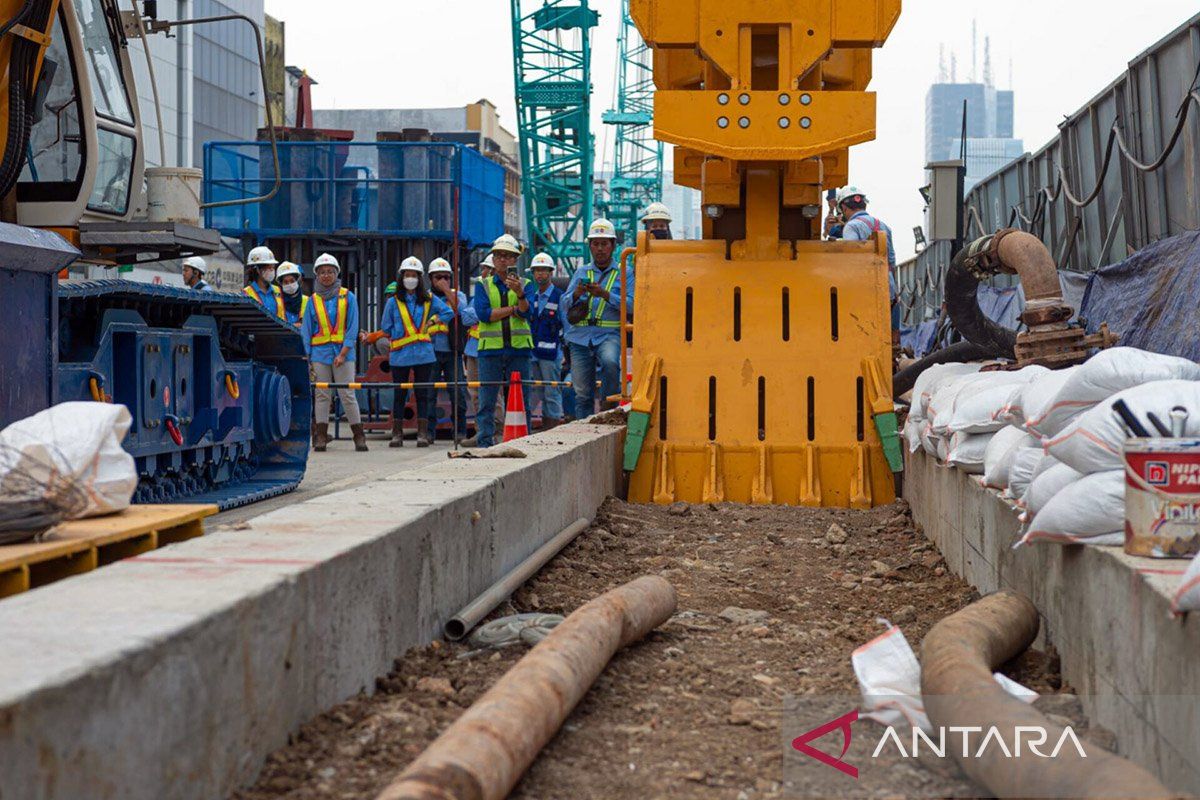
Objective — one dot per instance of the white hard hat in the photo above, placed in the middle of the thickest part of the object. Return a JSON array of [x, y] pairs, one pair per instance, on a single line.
[[542, 261], [440, 265], [657, 211], [602, 229], [287, 268], [411, 263], [506, 244], [846, 192], [327, 260], [196, 263], [261, 257], [487, 262]]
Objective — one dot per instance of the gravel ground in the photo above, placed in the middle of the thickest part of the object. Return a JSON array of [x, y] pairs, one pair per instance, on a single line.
[[772, 601]]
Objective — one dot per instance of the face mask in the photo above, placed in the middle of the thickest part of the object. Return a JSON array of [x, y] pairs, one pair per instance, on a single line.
[[661, 234], [411, 283], [291, 288], [267, 275]]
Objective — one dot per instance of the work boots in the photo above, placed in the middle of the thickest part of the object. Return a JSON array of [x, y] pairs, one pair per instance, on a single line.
[[397, 433], [549, 423], [320, 436], [423, 437], [360, 438]]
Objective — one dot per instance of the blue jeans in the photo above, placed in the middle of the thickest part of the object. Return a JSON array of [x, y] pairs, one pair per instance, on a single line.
[[585, 359], [549, 396], [449, 369], [492, 369]]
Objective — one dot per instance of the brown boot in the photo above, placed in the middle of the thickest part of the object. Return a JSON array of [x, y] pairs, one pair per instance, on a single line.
[[360, 438], [397, 433], [321, 437], [423, 437], [549, 423]]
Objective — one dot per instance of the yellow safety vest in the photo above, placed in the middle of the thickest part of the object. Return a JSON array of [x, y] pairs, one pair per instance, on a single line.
[[596, 305], [252, 291], [437, 326], [303, 309], [326, 334], [491, 334], [412, 333]]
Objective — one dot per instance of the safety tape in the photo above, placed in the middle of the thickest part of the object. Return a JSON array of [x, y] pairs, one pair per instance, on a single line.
[[434, 385]]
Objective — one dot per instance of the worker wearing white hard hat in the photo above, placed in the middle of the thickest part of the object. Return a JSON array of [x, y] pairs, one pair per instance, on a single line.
[[260, 281], [295, 302], [657, 220], [501, 303], [545, 320], [329, 328], [449, 341], [593, 315], [194, 270], [487, 268], [861, 226]]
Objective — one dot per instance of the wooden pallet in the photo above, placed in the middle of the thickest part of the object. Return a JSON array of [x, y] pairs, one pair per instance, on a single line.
[[85, 544]]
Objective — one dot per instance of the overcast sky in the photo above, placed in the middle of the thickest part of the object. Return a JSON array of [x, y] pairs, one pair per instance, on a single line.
[[441, 53]]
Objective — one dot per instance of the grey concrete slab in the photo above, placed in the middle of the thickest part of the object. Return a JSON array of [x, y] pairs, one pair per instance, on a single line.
[[1108, 614]]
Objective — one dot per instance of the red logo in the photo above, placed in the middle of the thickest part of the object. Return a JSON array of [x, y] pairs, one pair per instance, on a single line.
[[842, 723], [1158, 473], [166, 395]]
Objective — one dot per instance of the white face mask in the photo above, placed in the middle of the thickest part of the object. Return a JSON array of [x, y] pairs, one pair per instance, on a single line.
[[291, 288], [411, 283], [267, 275]]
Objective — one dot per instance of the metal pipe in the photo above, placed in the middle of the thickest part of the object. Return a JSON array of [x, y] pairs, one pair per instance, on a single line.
[[468, 617], [958, 658], [484, 753]]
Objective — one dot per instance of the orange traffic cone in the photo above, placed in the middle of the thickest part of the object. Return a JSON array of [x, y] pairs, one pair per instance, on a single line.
[[514, 416]]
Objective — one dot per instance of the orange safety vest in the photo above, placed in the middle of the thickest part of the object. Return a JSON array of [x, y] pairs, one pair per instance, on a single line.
[[303, 310], [437, 326], [252, 291], [325, 334], [473, 332], [412, 334]]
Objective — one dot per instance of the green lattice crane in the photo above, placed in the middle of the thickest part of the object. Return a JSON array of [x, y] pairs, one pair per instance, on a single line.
[[552, 59], [637, 174]]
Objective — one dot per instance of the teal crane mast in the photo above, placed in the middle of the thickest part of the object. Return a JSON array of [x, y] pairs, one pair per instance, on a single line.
[[637, 175], [552, 59]]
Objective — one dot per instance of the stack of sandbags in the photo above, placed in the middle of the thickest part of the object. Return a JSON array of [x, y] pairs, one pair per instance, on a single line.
[[964, 414], [927, 384]]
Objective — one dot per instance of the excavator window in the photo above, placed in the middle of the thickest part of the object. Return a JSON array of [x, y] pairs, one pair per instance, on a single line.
[[54, 161], [104, 67], [114, 170]]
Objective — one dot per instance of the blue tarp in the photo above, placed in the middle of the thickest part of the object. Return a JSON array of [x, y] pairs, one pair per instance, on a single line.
[[1152, 298]]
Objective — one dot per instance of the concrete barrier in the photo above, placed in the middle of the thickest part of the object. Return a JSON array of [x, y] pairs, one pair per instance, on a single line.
[[1135, 667], [174, 674]]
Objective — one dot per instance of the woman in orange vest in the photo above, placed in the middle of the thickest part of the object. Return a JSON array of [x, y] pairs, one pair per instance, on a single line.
[[406, 322], [329, 328]]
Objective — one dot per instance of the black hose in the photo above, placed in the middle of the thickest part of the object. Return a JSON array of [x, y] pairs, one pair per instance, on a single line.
[[959, 352], [962, 304]]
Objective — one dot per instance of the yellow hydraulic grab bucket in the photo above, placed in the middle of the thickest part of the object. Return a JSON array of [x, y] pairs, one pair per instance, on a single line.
[[762, 355]]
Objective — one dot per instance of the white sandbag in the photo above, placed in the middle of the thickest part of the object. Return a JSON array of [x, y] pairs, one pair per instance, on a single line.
[[1052, 477], [932, 379], [1001, 450], [1089, 511], [966, 451], [1095, 441], [79, 441], [1034, 397], [912, 433], [1020, 475], [976, 409], [1102, 376], [1187, 596]]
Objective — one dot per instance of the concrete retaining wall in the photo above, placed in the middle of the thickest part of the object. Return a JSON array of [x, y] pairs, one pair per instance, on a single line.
[[174, 674], [1135, 667]]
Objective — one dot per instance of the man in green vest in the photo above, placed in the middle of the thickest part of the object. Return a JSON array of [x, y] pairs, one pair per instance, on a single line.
[[505, 342]]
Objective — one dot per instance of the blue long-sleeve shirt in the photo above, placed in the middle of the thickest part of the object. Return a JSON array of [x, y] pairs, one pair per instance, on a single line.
[[860, 228], [393, 327], [483, 311], [545, 320], [593, 334], [325, 353], [466, 317]]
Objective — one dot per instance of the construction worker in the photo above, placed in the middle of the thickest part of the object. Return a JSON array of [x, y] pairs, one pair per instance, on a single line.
[[294, 300], [449, 340], [194, 269], [593, 311], [407, 318], [546, 324], [657, 220], [505, 342], [471, 354], [260, 274], [329, 328], [860, 226]]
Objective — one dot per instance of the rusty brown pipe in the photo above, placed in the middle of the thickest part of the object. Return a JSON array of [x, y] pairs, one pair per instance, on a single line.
[[958, 658], [485, 752]]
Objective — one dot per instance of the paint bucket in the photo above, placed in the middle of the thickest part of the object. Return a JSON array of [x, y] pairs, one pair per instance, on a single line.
[[173, 194], [1162, 497]]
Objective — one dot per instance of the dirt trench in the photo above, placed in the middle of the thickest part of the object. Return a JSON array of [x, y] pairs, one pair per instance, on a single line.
[[771, 603]]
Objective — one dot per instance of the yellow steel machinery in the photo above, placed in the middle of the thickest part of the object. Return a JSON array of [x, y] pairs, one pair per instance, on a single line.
[[762, 355]]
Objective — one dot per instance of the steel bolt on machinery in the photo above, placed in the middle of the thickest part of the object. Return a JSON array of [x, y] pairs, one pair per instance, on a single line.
[[762, 355]]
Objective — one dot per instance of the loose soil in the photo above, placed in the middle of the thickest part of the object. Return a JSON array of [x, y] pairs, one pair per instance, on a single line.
[[695, 709]]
